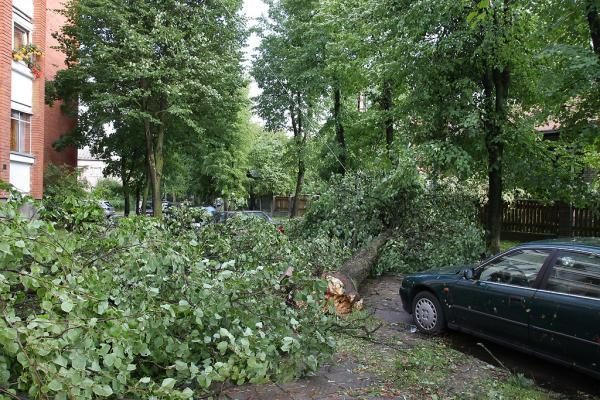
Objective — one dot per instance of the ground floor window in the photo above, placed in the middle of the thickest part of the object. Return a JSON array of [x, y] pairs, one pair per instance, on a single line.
[[20, 132]]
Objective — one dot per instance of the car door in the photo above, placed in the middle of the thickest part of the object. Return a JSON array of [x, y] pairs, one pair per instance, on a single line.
[[565, 317], [497, 301]]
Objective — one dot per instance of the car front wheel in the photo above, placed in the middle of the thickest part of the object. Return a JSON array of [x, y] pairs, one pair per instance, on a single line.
[[428, 314]]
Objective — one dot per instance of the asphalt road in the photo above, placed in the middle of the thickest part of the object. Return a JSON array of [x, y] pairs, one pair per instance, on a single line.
[[383, 299]]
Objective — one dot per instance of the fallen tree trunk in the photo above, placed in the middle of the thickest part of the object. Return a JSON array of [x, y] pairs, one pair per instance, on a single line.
[[342, 286]]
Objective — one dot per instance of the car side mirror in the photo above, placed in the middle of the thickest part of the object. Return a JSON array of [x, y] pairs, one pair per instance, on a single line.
[[468, 274]]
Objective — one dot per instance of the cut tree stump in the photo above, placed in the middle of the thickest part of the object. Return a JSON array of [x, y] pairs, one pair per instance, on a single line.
[[342, 286]]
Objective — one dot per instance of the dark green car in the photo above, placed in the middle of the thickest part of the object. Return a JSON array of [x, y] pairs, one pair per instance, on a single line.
[[542, 298]]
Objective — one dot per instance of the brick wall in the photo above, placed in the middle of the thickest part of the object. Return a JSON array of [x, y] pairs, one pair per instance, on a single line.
[[56, 123], [37, 123], [5, 82]]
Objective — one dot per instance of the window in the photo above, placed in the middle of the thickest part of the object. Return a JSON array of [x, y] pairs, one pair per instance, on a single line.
[[20, 132], [20, 37], [518, 268], [576, 273]]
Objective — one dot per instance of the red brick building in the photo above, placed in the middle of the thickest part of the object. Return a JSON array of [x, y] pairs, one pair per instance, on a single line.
[[28, 127]]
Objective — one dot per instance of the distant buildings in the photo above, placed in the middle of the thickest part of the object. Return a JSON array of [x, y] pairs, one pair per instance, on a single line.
[[91, 169], [28, 127]]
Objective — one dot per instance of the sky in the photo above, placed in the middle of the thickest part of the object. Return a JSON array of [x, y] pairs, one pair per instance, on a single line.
[[253, 9]]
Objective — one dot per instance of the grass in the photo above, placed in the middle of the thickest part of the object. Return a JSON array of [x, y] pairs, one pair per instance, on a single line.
[[427, 368], [508, 244]]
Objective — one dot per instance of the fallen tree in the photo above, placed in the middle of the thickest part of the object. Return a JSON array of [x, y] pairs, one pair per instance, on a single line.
[[343, 285]]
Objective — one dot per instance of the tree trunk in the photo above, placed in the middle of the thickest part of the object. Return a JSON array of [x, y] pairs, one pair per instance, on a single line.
[[155, 163], [494, 215], [339, 129], [342, 286], [300, 142], [127, 205], [125, 178], [386, 105], [138, 199], [159, 160], [496, 83], [146, 191], [298, 191], [593, 18]]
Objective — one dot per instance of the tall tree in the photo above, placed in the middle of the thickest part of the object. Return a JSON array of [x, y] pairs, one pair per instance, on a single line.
[[285, 69], [152, 64], [461, 59]]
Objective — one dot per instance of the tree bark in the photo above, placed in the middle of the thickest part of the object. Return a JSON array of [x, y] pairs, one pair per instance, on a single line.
[[300, 141], [152, 172], [298, 191], [342, 286], [127, 205], [145, 192], [386, 105], [138, 199], [593, 18], [125, 179], [339, 129], [496, 83]]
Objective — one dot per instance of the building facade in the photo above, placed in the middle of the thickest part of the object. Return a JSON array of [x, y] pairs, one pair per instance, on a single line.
[[28, 127]]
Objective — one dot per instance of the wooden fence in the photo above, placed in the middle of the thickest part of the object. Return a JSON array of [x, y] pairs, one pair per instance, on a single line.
[[531, 219], [282, 205]]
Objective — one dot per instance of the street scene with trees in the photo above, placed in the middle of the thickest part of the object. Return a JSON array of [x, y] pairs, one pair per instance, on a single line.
[[401, 136]]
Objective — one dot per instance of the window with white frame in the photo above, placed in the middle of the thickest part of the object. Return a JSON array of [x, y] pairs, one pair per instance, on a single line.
[[20, 36], [20, 132]]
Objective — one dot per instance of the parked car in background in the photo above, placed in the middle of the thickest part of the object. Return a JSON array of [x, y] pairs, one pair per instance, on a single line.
[[542, 298], [203, 217], [107, 208]]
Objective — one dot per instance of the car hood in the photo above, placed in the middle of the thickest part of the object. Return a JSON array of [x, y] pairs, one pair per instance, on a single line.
[[447, 270]]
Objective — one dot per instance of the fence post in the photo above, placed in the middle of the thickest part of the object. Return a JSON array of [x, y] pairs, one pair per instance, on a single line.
[[565, 220]]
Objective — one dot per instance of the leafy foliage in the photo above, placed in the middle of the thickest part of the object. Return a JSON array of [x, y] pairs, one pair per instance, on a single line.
[[66, 202], [443, 229], [143, 311], [159, 72], [423, 218], [269, 165], [111, 190]]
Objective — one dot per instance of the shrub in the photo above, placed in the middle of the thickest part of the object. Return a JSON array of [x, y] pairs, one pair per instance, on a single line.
[[66, 202], [358, 206], [110, 190], [443, 229], [430, 225], [138, 311]]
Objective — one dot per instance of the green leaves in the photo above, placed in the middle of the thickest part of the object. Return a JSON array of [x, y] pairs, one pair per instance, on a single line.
[[67, 306], [168, 383], [141, 310], [102, 390]]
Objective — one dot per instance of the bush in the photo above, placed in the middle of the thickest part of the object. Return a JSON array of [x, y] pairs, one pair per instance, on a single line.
[[66, 202], [182, 218], [138, 311], [110, 190], [442, 230], [430, 226], [359, 206]]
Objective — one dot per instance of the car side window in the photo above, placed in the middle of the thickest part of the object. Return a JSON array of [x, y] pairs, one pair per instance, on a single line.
[[519, 268], [575, 273]]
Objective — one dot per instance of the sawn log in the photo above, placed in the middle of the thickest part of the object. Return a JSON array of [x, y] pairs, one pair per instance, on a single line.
[[342, 286]]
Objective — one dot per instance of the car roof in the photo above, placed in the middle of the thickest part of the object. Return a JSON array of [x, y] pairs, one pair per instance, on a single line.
[[585, 244]]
